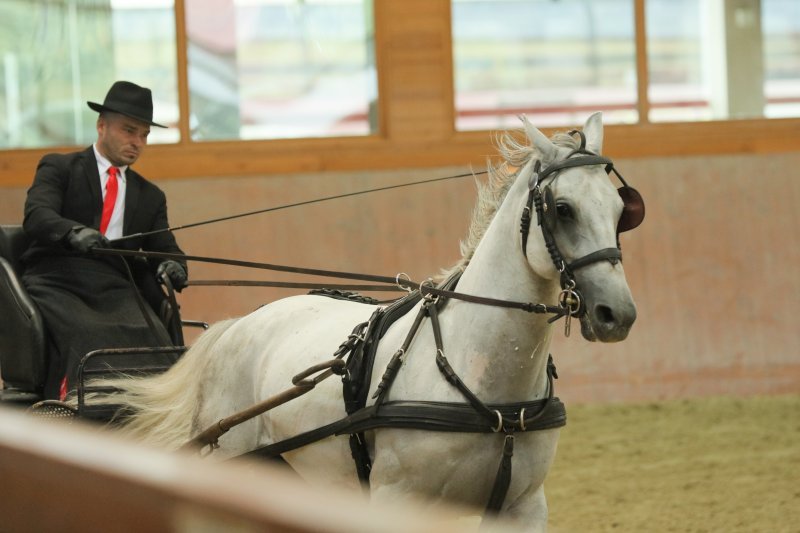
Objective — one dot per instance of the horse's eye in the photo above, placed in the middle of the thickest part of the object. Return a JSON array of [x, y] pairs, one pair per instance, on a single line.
[[564, 211]]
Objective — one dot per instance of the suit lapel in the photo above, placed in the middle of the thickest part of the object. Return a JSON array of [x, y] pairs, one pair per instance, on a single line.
[[132, 188]]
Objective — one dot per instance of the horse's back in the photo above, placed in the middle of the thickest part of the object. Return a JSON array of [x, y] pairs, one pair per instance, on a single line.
[[303, 330], [272, 345]]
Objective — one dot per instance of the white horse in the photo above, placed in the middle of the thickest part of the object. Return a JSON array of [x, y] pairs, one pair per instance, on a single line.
[[501, 354]]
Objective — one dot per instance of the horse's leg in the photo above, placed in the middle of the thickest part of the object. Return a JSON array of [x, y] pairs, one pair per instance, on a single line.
[[529, 510]]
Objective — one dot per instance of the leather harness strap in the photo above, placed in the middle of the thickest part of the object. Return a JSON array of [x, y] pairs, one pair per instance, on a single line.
[[549, 413], [474, 416]]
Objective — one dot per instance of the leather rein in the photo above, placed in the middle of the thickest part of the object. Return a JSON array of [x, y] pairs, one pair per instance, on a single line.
[[396, 283]]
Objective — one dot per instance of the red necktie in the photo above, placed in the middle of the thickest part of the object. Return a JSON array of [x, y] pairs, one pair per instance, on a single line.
[[111, 199]]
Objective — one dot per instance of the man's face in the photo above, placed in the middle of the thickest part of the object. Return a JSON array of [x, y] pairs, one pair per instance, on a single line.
[[121, 139]]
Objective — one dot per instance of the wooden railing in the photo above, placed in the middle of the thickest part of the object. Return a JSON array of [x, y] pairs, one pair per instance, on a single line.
[[76, 478]]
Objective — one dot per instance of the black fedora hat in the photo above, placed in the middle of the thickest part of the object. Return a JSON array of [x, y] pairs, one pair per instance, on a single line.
[[128, 99]]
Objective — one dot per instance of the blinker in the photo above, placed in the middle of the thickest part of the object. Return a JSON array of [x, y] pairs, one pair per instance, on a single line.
[[632, 211], [631, 217]]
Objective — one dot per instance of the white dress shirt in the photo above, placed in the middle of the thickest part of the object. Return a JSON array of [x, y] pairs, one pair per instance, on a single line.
[[114, 229]]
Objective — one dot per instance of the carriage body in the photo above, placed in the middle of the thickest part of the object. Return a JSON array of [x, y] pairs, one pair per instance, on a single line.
[[23, 338]]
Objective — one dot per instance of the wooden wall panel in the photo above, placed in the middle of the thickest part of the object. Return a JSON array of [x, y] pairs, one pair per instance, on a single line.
[[713, 267], [713, 273], [415, 57]]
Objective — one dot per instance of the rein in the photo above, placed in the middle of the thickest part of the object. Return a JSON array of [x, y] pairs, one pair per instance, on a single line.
[[426, 287], [296, 204]]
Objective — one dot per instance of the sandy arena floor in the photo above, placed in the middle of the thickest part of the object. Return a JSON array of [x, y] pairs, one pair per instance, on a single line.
[[707, 465]]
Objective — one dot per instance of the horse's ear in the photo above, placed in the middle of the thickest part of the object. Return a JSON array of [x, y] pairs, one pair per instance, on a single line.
[[593, 130], [543, 145]]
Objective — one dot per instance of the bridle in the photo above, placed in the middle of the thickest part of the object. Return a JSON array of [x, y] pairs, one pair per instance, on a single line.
[[541, 200]]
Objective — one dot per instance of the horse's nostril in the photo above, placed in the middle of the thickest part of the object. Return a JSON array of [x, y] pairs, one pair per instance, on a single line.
[[604, 314]]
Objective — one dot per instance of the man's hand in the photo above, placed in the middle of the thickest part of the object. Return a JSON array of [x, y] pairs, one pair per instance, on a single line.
[[84, 239], [175, 271]]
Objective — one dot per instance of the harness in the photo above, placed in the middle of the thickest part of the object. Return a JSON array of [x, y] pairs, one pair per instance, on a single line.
[[354, 360], [472, 416]]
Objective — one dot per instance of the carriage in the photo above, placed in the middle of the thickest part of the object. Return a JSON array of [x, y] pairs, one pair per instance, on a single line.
[[440, 392], [23, 341]]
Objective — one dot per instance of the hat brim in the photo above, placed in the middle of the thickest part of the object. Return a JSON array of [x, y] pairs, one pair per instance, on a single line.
[[100, 108]]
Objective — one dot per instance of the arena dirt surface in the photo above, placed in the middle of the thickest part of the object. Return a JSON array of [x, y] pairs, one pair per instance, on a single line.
[[701, 465]]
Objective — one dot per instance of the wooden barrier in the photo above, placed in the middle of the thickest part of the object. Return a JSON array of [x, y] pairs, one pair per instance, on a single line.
[[77, 478], [712, 268]]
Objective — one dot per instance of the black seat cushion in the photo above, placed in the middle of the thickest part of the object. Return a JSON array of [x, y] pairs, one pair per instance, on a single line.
[[23, 354], [13, 242]]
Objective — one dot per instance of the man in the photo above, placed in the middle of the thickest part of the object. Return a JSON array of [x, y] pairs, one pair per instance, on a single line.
[[85, 200]]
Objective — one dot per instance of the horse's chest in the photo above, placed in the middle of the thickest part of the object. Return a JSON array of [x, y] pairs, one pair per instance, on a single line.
[[458, 467]]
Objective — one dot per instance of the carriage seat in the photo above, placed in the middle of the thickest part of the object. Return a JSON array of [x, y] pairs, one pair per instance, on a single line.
[[23, 341], [23, 352]]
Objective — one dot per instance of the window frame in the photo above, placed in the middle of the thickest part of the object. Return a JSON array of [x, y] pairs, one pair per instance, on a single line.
[[416, 117]]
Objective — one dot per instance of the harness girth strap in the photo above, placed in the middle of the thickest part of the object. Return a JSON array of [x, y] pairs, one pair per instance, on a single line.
[[502, 480], [548, 413]]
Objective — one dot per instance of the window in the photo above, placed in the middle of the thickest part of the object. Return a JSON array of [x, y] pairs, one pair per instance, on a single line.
[[552, 60], [268, 69], [56, 55], [715, 60], [305, 71], [780, 22], [555, 60]]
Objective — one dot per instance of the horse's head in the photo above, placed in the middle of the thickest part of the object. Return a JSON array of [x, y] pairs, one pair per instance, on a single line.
[[576, 215]]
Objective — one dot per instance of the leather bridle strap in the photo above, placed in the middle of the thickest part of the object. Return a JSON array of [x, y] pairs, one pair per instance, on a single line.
[[535, 201], [571, 299], [586, 158], [610, 254]]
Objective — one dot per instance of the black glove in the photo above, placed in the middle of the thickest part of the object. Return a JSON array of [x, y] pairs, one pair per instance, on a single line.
[[84, 239], [175, 271]]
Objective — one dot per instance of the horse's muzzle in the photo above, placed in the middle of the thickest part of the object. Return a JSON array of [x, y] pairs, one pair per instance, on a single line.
[[605, 323]]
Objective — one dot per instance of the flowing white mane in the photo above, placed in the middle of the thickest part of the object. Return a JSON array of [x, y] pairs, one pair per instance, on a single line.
[[491, 194]]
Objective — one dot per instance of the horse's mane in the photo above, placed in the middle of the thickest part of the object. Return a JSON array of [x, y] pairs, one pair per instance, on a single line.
[[501, 175]]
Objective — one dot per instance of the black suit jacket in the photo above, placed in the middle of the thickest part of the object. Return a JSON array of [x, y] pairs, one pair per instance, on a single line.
[[66, 193]]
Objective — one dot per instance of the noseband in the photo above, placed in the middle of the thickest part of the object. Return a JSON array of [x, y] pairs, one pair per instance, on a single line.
[[543, 201]]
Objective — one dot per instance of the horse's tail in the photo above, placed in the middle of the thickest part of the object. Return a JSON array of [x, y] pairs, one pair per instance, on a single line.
[[160, 410]]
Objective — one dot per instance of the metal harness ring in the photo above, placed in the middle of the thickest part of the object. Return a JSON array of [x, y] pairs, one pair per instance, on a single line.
[[499, 426], [428, 297], [570, 301], [406, 277]]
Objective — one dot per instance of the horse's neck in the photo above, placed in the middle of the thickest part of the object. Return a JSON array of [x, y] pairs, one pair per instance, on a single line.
[[500, 353]]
